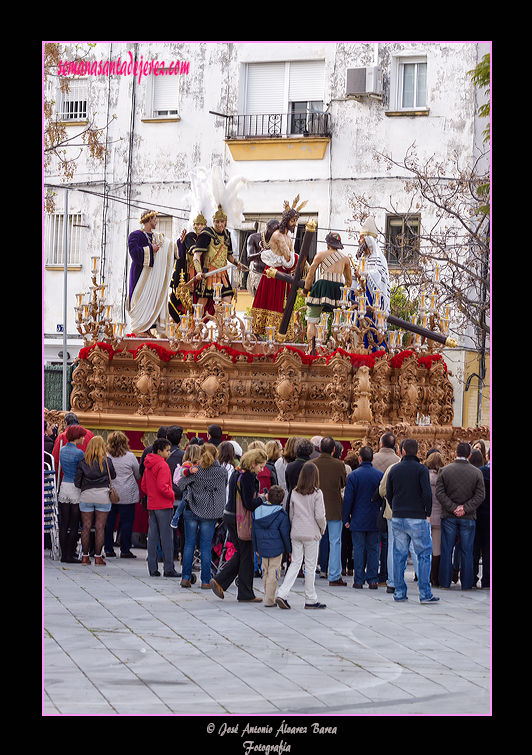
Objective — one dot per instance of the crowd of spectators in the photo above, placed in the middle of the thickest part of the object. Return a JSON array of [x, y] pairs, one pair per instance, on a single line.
[[305, 508]]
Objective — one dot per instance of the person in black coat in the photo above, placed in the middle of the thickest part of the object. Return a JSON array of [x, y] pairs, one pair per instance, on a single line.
[[214, 435], [174, 435], [304, 448], [161, 433], [241, 564], [409, 494], [50, 434]]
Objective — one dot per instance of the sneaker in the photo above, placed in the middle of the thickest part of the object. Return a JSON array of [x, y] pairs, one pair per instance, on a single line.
[[172, 573], [315, 605], [282, 603], [338, 583], [430, 600]]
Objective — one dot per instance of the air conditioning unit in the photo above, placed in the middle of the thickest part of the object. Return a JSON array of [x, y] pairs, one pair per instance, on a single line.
[[364, 82]]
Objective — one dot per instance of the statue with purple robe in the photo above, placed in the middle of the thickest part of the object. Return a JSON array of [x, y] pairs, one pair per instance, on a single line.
[[152, 263]]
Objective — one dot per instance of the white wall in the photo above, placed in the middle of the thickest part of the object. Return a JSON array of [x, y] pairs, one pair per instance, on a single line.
[[157, 157]]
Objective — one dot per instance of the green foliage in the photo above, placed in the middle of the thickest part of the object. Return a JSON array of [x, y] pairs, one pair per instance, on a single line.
[[480, 76], [401, 306]]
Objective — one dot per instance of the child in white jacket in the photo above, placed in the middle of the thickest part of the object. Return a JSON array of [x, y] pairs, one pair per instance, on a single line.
[[308, 523]]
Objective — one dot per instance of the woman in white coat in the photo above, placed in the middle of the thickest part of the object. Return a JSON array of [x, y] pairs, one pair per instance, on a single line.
[[308, 523], [127, 475]]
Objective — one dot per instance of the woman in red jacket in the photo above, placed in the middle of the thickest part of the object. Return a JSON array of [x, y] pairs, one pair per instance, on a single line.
[[157, 484]]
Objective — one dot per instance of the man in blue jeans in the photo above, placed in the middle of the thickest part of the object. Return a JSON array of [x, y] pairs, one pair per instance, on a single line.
[[332, 481], [460, 491], [409, 494]]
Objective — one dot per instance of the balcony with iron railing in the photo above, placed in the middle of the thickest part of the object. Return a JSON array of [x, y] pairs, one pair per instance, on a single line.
[[272, 125], [273, 136]]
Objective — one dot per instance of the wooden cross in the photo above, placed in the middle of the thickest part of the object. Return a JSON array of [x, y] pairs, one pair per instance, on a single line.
[[310, 229]]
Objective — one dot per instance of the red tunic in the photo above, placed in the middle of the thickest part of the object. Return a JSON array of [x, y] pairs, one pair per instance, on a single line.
[[269, 301]]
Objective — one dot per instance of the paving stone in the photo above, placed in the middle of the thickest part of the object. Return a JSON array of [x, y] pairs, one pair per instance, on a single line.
[[117, 642]]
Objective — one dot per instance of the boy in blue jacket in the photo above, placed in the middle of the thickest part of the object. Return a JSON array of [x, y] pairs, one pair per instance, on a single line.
[[270, 533]]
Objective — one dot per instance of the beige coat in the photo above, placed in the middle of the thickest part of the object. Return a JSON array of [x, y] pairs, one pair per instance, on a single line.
[[382, 490], [307, 516]]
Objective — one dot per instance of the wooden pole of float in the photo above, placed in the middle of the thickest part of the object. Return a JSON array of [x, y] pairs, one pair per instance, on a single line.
[[310, 229]]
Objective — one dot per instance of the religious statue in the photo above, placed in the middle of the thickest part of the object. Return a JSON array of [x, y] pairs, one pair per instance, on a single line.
[[184, 268], [374, 271], [330, 270], [152, 262], [254, 250], [375, 266], [277, 252], [212, 251]]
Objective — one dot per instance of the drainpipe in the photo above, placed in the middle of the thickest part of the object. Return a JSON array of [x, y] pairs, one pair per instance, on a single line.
[[65, 290]]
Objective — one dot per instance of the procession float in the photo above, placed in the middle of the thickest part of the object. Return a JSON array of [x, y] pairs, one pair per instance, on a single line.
[[356, 373]]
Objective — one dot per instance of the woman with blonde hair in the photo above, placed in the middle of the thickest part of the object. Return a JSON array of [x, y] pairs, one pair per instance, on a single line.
[[93, 479], [255, 444], [126, 484], [205, 501], [273, 453], [243, 499]]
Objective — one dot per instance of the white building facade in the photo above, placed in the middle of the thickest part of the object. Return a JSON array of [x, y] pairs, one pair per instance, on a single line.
[[298, 118]]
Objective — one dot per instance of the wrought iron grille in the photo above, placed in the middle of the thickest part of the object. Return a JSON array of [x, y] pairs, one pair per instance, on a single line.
[[275, 125]]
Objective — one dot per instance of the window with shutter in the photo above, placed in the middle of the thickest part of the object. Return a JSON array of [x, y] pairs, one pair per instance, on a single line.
[[282, 97], [306, 80], [165, 95], [54, 239]]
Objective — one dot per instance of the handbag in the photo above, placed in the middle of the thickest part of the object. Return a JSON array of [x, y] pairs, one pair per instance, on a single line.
[[243, 516], [113, 495]]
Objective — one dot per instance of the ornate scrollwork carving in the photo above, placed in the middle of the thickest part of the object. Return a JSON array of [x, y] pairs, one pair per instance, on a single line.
[[287, 387], [148, 381], [409, 395], [362, 414], [339, 390]]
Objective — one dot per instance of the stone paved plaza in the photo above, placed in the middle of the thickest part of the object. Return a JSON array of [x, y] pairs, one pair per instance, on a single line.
[[118, 642]]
